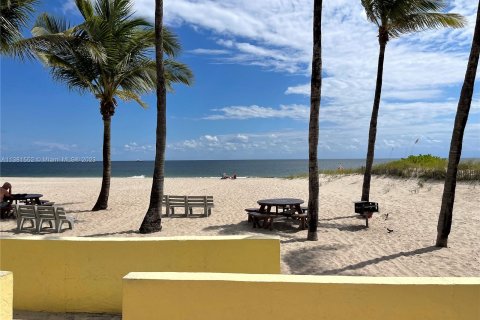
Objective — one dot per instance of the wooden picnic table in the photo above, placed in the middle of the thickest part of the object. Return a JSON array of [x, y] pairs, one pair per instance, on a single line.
[[267, 204], [265, 214], [33, 198]]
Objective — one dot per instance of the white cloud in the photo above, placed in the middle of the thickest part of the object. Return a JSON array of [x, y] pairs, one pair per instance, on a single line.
[[422, 72], [135, 147], [209, 51], [296, 112], [303, 89], [211, 138], [52, 146], [285, 142]]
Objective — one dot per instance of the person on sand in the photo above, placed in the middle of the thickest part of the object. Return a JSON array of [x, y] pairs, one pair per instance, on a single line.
[[5, 196], [234, 176], [224, 176]]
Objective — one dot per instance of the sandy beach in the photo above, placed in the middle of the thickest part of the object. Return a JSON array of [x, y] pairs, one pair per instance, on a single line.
[[345, 246]]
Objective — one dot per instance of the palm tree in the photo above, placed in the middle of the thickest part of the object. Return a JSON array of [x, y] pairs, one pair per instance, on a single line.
[[107, 55], [315, 94], [14, 15], [152, 222], [463, 108], [393, 19]]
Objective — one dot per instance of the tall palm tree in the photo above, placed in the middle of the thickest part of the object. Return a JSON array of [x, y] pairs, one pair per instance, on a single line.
[[152, 222], [315, 94], [463, 108], [14, 15], [393, 19], [108, 55]]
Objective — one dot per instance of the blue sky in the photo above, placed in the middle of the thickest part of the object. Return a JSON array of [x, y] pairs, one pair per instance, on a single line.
[[250, 99]]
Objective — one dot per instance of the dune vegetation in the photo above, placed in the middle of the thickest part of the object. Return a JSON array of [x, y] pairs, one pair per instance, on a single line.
[[424, 166]]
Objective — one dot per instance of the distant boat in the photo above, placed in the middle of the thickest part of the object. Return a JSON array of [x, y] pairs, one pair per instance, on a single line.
[[138, 160]]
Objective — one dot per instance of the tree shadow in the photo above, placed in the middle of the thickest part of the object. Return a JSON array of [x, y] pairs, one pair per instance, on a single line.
[[14, 230], [45, 231], [293, 240], [112, 233], [312, 258], [343, 227], [232, 228], [339, 218], [67, 203], [383, 258], [77, 211], [282, 227]]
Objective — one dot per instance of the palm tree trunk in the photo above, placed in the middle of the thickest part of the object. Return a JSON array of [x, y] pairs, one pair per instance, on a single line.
[[316, 87], [102, 201], [463, 109], [152, 222], [372, 134]]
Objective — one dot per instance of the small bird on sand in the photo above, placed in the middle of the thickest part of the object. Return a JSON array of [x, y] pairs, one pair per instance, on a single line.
[[386, 216], [389, 230]]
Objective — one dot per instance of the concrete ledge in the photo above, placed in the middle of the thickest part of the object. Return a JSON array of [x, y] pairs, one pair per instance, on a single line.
[[6, 295], [58, 274], [238, 296]]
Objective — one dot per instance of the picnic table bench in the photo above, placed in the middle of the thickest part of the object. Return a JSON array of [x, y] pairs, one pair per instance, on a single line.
[[188, 203], [290, 208], [37, 215]]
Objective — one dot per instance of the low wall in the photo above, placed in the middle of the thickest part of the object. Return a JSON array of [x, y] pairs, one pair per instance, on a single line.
[[6, 295], [85, 274], [239, 296]]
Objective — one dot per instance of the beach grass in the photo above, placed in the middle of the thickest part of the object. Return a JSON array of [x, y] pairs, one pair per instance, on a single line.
[[427, 167], [420, 166]]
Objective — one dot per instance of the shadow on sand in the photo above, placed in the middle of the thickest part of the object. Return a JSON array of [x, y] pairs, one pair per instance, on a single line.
[[282, 227], [313, 257], [67, 203], [339, 218], [63, 316], [112, 233]]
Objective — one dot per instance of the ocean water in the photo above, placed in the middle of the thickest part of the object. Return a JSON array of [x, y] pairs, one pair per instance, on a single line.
[[174, 168]]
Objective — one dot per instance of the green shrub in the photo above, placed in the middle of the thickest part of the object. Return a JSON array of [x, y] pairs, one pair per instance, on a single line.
[[423, 166], [427, 167]]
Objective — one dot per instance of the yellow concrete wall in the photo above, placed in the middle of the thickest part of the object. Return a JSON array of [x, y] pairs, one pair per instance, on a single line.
[[213, 296], [6, 295], [85, 274]]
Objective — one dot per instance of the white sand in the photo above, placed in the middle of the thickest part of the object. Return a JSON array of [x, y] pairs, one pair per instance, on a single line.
[[344, 247]]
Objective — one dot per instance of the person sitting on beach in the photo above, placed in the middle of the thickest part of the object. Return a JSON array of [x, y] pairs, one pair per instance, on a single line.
[[234, 176], [5, 196], [224, 176]]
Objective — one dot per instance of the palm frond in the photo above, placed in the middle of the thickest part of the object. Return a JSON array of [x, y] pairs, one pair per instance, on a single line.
[[14, 15], [86, 9], [138, 76], [108, 54], [65, 71], [404, 7], [129, 96], [371, 11], [171, 43], [398, 17], [55, 34], [424, 21], [47, 24], [177, 72]]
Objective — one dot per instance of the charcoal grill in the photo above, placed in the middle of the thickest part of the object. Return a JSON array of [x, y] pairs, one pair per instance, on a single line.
[[366, 208]]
